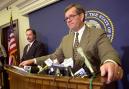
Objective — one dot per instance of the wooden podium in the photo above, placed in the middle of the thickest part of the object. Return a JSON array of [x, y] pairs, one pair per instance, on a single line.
[[22, 80]]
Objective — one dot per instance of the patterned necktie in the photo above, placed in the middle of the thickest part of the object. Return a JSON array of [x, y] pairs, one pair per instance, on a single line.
[[76, 43]]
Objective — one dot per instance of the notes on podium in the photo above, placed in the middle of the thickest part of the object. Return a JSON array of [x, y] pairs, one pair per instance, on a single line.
[[19, 68]]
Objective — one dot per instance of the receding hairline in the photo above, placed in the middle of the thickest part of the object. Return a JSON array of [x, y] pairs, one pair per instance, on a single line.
[[79, 8]]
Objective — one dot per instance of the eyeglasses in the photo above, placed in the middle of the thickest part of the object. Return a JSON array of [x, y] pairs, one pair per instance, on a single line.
[[71, 17]]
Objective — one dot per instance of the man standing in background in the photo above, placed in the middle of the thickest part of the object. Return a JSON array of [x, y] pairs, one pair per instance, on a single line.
[[34, 48]]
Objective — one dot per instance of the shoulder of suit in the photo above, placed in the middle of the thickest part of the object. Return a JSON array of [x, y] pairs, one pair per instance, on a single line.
[[71, 34], [95, 31], [38, 42]]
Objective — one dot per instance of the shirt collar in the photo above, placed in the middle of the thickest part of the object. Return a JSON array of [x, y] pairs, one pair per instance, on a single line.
[[81, 30], [31, 42]]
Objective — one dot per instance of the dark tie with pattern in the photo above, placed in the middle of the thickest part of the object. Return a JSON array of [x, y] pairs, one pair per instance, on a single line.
[[78, 63], [76, 43]]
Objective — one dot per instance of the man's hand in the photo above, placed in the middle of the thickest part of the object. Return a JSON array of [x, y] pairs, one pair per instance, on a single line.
[[27, 62], [112, 71]]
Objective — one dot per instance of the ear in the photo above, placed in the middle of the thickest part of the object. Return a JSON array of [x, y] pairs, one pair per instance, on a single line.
[[82, 16]]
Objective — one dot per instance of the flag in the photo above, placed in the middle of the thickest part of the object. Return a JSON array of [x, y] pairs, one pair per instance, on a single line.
[[12, 47]]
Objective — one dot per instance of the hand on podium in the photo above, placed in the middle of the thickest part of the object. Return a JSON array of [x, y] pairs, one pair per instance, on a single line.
[[26, 63], [112, 71]]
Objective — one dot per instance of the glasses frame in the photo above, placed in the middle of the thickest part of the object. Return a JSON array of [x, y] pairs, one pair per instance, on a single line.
[[71, 17]]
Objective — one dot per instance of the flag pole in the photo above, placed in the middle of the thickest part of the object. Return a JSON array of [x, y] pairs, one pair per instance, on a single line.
[[12, 46]]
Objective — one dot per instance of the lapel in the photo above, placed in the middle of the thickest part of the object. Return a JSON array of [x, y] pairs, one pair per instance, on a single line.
[[26, 49], [31, 48], [70, 43], [85, 38]]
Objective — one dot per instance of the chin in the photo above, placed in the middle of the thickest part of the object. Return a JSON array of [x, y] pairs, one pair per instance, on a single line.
[[73, 29], [29, 41]]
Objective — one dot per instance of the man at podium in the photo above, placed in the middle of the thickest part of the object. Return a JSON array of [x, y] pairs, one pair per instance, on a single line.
[[93, 41]]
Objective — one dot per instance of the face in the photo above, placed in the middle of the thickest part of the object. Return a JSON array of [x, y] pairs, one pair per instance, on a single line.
[[74, 21], [30, 36]]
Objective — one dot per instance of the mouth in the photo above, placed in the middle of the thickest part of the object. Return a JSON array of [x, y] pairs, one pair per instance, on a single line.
[[70, 24], [28, 39]]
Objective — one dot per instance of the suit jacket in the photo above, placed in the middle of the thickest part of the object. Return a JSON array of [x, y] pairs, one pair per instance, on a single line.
[[94, 43], [37, 49]]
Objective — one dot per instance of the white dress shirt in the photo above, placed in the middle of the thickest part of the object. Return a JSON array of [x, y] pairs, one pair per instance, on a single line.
[[80, 34]]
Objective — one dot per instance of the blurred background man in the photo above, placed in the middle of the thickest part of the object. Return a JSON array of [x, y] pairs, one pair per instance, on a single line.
[[34, 48]]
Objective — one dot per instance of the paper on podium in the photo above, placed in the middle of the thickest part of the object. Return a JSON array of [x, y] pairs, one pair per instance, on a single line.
[[19, 68], [48, 62], [68, 62]]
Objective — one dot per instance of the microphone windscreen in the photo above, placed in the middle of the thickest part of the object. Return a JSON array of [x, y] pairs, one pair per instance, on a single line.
[[34, 69]]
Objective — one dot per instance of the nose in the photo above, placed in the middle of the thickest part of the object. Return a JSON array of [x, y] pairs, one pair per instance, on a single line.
[[69, 20]]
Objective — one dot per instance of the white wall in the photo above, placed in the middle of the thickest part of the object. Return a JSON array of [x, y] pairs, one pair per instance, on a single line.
[[23, 24], [23, 21]]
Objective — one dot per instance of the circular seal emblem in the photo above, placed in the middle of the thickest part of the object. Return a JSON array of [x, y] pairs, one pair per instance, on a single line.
[[100, 20]]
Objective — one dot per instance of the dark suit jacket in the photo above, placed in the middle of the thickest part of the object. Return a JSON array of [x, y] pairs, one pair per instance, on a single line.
[[37, 49], [94, 43]]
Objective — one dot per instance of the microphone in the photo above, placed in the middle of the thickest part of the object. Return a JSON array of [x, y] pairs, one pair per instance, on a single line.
[[42, 69], [68, 62], [70, 70], [87, 63], [80, 72], [34, 69], [31, 69], [39, 69], [48, 63], [57, 72]]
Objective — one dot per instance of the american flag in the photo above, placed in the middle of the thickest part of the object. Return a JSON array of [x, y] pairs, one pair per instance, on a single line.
[[12, 47]]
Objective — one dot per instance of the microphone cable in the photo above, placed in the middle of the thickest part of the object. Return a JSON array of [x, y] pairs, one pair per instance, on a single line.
[[54, 81], [91, 80], [57, 74], [68, 82]]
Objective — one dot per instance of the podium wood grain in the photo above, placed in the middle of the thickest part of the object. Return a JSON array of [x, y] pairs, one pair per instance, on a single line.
[[23, 80]]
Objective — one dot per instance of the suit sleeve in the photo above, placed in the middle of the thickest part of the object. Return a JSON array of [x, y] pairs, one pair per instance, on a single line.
[[24, 53], [57, 54], [105, 49]]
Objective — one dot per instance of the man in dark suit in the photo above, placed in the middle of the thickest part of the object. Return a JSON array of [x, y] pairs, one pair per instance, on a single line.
[[34, 48], [94, 43]]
